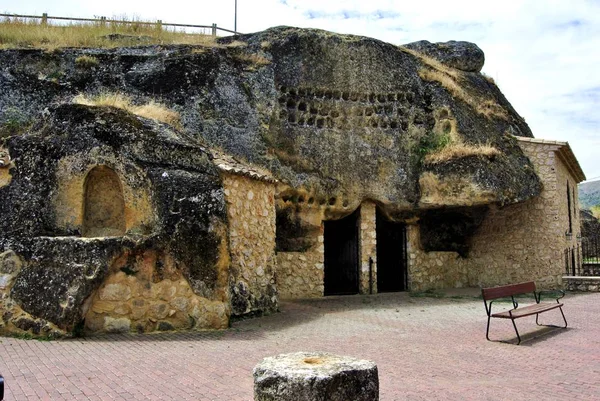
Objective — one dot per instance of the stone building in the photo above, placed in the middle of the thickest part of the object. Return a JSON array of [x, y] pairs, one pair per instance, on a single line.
[[301, 164]]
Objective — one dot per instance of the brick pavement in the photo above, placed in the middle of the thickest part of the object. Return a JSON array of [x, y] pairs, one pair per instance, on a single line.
[[425, 348]]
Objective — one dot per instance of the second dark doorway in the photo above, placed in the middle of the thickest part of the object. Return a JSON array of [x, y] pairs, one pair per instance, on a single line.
[[391, 255]]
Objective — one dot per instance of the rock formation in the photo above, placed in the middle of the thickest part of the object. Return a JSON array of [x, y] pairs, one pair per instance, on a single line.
[[336, 119]]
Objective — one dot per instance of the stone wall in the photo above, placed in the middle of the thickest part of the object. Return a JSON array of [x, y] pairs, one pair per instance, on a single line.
[[368, 246], [515, 243], [251, 214], [301, 274], [432, 270], [146, 293], [577, 283]]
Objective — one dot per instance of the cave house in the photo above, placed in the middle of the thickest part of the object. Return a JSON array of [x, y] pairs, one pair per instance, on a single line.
[[301, 164]]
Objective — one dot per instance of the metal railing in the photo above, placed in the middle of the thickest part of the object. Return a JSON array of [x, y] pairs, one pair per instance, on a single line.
[[103, 21], [584, 258]]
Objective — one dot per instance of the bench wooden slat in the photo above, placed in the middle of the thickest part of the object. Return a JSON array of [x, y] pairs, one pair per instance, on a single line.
[[507, 290], [528, 310]]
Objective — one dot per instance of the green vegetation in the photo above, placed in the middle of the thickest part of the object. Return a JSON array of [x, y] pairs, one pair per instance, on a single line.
[[32, 33], [432, 143], [15, 123]]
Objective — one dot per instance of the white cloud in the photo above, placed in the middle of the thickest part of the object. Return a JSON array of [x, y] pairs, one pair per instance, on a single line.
[[543, 54]]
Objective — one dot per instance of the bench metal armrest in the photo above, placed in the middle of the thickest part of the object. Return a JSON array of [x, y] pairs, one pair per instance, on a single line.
[[488, 306], [555, 294]]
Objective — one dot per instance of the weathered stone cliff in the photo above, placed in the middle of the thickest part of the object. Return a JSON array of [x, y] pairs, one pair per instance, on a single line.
[[337, 119], [172, 211]]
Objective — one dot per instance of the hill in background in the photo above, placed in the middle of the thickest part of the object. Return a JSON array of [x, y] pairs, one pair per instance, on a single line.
[[589, 194]]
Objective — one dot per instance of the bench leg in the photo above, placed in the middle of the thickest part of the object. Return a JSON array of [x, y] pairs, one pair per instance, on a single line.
[[487, 331], [563, 315], [516, 331], [561, 312]]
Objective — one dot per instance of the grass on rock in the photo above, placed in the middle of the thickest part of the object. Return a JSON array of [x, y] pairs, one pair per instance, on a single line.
[[31, 33]]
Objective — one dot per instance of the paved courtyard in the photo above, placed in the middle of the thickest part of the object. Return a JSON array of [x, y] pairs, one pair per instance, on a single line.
[[425, 349]]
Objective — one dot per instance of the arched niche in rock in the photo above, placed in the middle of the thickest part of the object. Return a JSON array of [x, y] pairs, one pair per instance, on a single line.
[[103, 207]]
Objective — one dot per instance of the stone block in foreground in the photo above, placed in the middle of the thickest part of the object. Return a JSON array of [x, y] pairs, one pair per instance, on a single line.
[[315, 376]]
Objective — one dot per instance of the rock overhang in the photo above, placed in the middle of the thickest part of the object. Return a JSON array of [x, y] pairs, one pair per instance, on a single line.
[[330, 116]]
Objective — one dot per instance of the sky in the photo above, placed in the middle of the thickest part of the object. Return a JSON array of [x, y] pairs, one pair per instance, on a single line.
[[544, 55]]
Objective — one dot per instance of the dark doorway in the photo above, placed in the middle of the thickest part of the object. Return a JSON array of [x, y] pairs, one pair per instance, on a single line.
[[341, 255], [391, 255]]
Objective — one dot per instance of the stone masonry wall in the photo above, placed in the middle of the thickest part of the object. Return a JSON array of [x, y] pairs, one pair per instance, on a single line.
[[368, 246], [516, 243], [579, 283], [432, 270], [251, 214], [301, 274], [147, 292]]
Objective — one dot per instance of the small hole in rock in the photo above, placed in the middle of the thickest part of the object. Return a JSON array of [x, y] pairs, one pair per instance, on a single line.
[[447, 127]]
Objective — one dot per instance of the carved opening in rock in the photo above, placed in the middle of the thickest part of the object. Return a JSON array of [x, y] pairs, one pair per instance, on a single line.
[[313, 361], [104, 208], [447, 127], [392, 271], [341, 241]]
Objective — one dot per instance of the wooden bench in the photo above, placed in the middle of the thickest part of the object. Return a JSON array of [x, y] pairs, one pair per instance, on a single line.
[[509, 291]]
